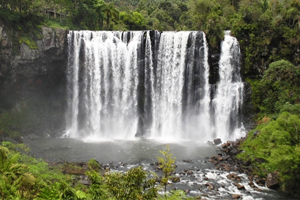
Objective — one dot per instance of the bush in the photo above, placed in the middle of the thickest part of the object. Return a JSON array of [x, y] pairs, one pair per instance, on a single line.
[[279, 86], [275, 146]]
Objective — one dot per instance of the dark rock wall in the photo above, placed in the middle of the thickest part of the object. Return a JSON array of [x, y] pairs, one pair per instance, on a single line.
[[34, 78]]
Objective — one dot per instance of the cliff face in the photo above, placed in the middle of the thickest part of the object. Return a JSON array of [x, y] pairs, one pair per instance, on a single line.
[[34, 79]]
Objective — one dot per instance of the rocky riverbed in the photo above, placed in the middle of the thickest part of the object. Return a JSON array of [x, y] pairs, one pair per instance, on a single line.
[[202, 169]]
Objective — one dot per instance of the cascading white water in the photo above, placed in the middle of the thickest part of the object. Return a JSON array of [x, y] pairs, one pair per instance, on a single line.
[[229, 96], [167, 118], [103, 72], [122, 84]]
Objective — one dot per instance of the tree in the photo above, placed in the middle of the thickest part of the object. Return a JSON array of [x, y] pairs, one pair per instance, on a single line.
[[167, 164], [100, 7], [111, 12], [133, 184]]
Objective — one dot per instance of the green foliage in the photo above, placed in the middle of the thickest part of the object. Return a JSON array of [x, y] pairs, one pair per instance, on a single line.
[[29, 42], [275, 147], [133, 20], [133, 184], [278, 87], [93, 165], [167, 164], [97, 190]]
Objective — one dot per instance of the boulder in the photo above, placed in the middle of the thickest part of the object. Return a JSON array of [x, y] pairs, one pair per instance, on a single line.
[[176, 179], [236, 196], [232, 176], [272, 181], [210, 186], [217, 141], [189, 172], [239, 186]]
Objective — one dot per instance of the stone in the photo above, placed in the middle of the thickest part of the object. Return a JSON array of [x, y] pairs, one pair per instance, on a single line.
[[260, 181], [210, 186], [272, 181], [232, 176], [227, 167], [220, 158], [176, 179], [239, 186], [236, 196], [189, 172], [217, 141], [250, 178], [187, 191]]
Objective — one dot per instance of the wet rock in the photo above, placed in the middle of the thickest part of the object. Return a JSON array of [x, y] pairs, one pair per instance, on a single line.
[[260, 181], [210, 186], [189, 172], [232, 176], [250, 178], [236, 196], [272, 181], [187, 191], [217, 141], [226, 157], [220, 158], [251, 184], [227, 167], [239, 186], [176, 179], [257, 189], [187, 161]]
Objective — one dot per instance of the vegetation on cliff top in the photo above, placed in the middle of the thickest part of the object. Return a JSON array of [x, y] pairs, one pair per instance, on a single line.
[[268, 30]]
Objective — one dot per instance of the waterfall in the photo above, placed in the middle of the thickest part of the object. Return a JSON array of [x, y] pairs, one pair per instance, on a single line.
[[151, 84], [229, 95]]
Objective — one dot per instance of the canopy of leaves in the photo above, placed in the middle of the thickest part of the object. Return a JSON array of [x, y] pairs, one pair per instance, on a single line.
[[279, 86], [277, 144]]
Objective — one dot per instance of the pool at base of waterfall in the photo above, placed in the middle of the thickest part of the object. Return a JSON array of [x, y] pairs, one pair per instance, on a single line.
[[197, 176]]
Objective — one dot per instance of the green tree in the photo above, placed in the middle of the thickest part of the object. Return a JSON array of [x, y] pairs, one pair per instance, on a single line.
[[167, 164], [110, 12], [133, 184]]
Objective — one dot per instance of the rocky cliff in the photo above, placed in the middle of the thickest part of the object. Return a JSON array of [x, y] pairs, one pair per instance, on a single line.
[[32, 80]]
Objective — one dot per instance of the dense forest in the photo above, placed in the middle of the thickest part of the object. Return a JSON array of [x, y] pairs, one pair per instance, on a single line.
[[269, 35]]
